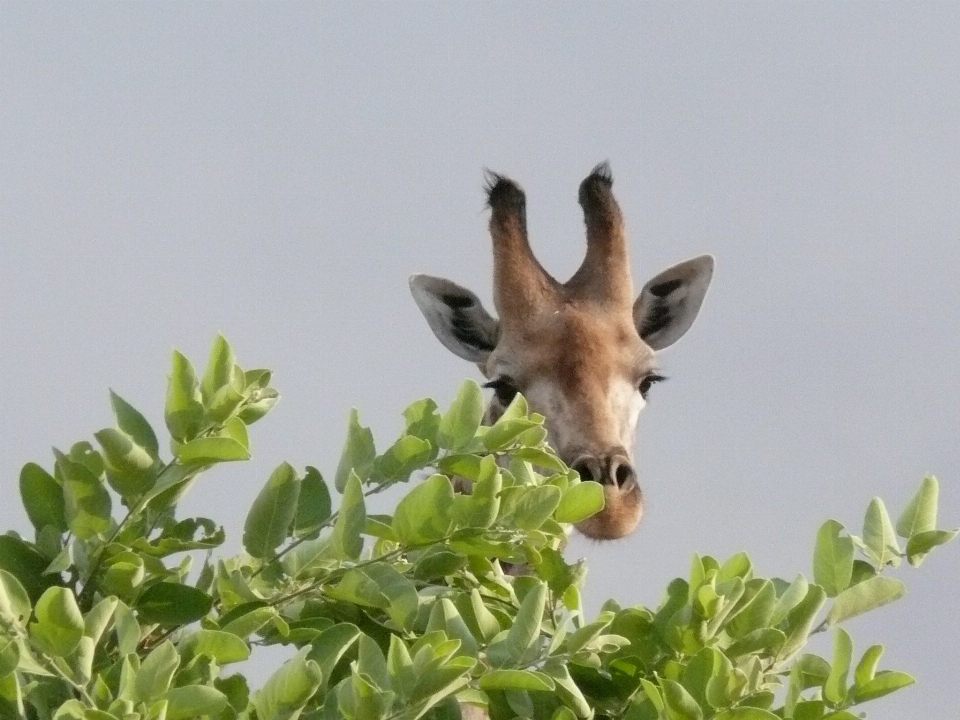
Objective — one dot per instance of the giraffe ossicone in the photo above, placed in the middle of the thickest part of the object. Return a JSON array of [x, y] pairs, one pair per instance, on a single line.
[[582, 352]]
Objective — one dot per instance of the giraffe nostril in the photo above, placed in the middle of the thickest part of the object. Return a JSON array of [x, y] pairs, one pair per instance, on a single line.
[[588, 468], [624, 474]]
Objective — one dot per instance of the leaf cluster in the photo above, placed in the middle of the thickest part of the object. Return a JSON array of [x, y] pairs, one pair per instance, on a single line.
[[460, 597]]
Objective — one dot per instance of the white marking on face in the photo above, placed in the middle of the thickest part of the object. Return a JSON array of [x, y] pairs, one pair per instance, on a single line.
[[626, 403]]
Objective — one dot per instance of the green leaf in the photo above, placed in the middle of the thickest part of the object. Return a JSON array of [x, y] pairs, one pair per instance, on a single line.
[[884, 683], [9, 655], [534, 505], [14, 602], [224, 403], [516, 680], [219, 370], [678, 703], [288, 689], [459, 424], [800, 620], [745, 713], [134, 424], [789, 599], [423, 420], [504, 432], [923, 542], [867, 667], [763, 641], [123, 574], [406, 455], [59, 624], [372, 663], [272, 512], [23, 562], [182, 537], [878, 536], [833, 559], [254, 617], [131, 469], [579, 502], [426, 513], [540, 457], [42, 498], [210, 450], [258, 404], [224, 647], [194, 701], [483, 624], [398, 589], [736, 566], [346, 542], [358, 454], [480, 508], [183, 412], [920, 514], [172, 604], [86, 501], [445, 617], [313, 504], [755, 613], [526, 626], [863, 597], [332, 644], [156, 672], [100, 615], [835, 688]]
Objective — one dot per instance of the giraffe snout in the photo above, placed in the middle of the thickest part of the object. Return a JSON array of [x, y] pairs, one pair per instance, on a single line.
[[613, 469]]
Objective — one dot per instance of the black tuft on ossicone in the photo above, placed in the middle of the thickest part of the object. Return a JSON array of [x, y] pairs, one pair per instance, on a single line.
[[595, 188], [602, 173], [503, 193]]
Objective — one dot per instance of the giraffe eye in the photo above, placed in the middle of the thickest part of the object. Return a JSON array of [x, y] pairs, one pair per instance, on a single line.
[[648, 382], [503, 389]]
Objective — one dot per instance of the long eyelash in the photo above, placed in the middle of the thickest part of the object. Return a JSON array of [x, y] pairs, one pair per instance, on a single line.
[[654, 379]]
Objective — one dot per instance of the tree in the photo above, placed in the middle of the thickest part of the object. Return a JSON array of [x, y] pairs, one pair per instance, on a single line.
[[408, 615]]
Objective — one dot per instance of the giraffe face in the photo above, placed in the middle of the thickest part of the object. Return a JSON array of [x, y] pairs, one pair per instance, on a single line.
[[583, 353]]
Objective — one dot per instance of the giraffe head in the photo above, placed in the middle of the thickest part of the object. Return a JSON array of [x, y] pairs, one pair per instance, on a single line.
[[583, 352]]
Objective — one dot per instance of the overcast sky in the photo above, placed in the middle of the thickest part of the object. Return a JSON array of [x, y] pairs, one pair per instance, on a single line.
[[276, 171]]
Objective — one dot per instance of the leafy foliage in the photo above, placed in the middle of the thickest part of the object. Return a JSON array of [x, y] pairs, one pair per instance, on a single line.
[[454, 599]]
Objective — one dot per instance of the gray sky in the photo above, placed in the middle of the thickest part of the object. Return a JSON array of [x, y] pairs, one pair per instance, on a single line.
[[276, 171]]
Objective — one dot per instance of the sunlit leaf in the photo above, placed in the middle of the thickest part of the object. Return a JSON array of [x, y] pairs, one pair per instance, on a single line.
[[863, 597], [923, 542], [833, 559], [194, 701], [42, 498], [212, 450], [313, 504], [425, 514], [358, 453], [219, 370], [130, 421], [579, 502], [516, 680], [878, 535], [271, 513], [884, 683], [59, 624], [172, 604], [460, 422], [920, 515], [835, 688], [183, 412]]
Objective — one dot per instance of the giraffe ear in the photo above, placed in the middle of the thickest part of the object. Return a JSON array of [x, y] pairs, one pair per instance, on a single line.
[[456, 317], [669, 303]]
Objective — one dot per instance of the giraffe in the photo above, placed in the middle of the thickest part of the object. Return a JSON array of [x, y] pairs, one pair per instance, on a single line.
[[583, 352]]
